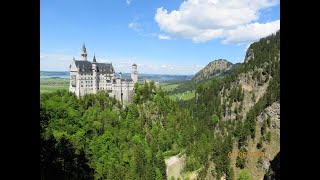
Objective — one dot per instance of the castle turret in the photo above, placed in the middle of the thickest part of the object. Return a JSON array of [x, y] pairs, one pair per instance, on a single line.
[[120, 75], [134, 73], [94, 74], [118, 89], [84, 53], [94, 58]]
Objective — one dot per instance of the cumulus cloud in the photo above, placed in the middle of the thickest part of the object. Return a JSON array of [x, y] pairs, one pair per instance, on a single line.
[[203, 20], [164, 37], [251, 32]]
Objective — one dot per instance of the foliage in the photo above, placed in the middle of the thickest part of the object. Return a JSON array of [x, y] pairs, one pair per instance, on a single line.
[[244, 175], [268, 137], [58, 158], [116, 140], [240, 162]]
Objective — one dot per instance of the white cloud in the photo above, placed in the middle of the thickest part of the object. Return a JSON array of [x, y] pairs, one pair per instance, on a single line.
[[251, 32], [203, 20], [164, 37], [128, 2], [135, 26]]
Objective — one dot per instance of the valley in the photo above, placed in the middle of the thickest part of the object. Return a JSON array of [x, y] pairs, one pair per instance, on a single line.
[[186, 128]]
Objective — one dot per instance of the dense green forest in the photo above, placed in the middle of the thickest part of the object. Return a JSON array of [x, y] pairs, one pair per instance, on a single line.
[[95, 137], [119, 143]]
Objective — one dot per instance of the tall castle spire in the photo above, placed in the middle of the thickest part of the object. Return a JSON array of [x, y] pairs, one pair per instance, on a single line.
[[84, 52], [94, 58]]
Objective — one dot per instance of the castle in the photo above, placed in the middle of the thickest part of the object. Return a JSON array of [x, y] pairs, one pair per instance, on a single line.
[[91, 77]]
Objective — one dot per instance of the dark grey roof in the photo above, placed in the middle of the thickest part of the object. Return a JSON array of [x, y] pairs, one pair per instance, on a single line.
[[105, 67], [86, 67], [134, 64], [83, 66], [84, 47]]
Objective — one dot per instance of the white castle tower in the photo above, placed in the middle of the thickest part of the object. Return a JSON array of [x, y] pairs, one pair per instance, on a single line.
[[134, 73], [84, 53]]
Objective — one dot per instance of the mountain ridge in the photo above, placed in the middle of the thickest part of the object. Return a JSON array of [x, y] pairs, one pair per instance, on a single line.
[[214, 68]]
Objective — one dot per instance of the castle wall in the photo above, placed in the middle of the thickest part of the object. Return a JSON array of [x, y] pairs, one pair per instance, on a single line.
[[83, 83]]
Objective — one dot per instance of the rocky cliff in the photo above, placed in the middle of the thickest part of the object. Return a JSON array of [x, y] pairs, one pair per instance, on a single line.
[[250, 109]]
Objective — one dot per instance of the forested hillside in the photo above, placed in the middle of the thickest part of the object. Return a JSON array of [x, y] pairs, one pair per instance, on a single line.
[[94, 137], [217, 68], [247, 104]]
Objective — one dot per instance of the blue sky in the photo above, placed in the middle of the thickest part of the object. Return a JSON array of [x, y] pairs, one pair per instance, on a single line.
[[160, 36]]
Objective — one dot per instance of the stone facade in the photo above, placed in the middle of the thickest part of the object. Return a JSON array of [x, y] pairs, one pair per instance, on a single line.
[[90, 77]]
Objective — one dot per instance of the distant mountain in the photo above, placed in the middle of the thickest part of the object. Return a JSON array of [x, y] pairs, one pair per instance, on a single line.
[[150, 77], [159, 77], [54, 73], [216, 68], [212, 69]]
